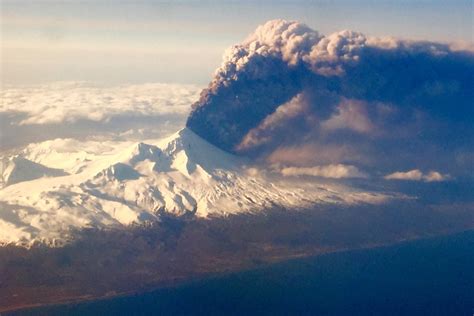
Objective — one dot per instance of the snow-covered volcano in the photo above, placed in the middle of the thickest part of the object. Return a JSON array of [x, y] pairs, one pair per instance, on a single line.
[[63, 185]]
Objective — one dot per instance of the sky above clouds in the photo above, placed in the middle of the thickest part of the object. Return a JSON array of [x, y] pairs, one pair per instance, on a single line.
[[161, 41]]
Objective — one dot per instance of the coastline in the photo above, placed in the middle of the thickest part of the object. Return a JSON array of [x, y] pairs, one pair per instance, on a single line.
[[170, 285]]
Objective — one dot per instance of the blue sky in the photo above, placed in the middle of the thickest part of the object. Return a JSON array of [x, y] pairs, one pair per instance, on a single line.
[[157, 41]]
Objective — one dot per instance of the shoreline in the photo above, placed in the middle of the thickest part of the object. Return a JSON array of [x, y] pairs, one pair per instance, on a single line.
[[215, 275]]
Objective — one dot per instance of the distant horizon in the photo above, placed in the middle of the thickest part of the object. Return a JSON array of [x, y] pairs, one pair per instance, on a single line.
[[49, 41]]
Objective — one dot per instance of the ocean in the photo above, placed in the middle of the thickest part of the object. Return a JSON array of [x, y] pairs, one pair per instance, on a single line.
[[432, 276]]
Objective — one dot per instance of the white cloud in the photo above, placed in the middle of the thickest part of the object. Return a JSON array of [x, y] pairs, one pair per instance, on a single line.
[[417, 175], [336, 171], [408, 175], [434, 176], [69, 102]]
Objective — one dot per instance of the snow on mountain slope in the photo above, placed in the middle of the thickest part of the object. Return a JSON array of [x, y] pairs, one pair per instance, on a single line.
[[111, 184], [19, 169]]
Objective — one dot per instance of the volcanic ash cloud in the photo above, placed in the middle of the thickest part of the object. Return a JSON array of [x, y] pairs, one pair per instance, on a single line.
[[287, 85]]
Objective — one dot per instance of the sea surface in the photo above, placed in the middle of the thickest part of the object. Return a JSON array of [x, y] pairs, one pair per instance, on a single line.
[[425, 277]]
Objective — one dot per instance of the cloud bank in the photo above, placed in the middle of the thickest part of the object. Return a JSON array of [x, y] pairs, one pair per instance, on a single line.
[[72, 101], [76, 109], [372, 102]]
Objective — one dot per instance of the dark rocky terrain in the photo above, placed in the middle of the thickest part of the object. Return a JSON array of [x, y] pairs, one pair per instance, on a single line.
[[109, 263]]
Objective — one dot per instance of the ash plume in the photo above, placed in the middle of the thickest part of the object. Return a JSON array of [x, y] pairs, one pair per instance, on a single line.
[[287, 86]]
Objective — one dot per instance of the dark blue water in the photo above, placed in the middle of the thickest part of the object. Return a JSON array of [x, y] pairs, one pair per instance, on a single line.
[[424, 277]]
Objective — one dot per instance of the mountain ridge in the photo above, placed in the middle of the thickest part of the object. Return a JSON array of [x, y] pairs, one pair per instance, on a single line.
[[132, 183]]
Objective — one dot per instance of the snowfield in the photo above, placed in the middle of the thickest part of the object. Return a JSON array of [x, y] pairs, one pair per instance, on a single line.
[[54, 188]]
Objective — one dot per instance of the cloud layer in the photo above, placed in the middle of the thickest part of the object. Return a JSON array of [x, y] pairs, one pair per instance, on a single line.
[[75, 109], [73, 101], [377, 102]]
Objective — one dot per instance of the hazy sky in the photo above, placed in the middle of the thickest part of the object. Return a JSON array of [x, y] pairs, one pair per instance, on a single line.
[[183, 41]]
